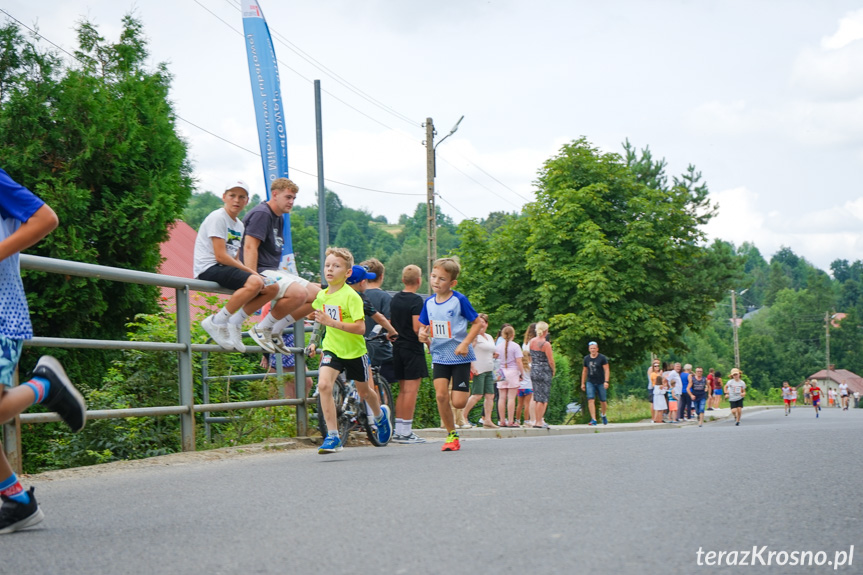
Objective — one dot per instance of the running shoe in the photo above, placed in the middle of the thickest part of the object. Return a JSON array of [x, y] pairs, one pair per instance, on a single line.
[[604, 420], [385, 428], [15, 516], [280, 346], [219, 333], [62, 398], [408, 439], [331, 444], [452, 442], [235, 333], [263, 337], [592, 423]]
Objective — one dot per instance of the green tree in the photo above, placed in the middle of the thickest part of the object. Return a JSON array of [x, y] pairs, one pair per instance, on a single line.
[[98, 142], [351, 237]]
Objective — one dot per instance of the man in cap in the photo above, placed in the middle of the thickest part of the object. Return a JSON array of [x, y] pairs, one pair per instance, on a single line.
[[594, 381]]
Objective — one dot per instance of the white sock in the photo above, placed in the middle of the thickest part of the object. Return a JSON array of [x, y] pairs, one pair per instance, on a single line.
[[221, 317], [268, 322], [281, 324], [408, 424], [239, 317], [400, 423]]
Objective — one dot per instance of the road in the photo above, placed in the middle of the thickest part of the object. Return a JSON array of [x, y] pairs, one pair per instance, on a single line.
[[635, 502]]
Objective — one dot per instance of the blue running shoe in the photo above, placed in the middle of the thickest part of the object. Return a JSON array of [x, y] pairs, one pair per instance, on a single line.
[[604, 420], [330, 445], [592, 423], [385, 427]]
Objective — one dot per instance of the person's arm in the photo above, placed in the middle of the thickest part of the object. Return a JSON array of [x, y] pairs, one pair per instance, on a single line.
[[607, 370], [250, 251], [416, 323], [357, 327], [385, 323], [549, 354], [221, 252], [462, 348], [583, 377], [40, 224]]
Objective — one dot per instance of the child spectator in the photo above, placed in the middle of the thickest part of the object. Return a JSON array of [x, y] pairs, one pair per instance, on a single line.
[[445, 318], [409, 358], [340, 310], [524, 400], [510, 356], [24, 220], [216, 249]]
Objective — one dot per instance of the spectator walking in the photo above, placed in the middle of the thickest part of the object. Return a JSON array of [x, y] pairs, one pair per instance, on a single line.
[[594, 381]]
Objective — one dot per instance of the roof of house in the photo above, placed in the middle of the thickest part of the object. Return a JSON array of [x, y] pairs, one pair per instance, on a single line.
[[178, 254], [854, 381]]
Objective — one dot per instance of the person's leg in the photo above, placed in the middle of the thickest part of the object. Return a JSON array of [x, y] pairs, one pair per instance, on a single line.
[[326, 379], [442, 395], [257, 302], [591, 406], [501, 406], [539, 408], [471, 403], [487, 407], [407, 399], [519, 406], [531, 407], [510, 404]]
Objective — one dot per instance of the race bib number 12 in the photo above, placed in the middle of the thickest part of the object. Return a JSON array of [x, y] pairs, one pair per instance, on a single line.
[[441, 330]]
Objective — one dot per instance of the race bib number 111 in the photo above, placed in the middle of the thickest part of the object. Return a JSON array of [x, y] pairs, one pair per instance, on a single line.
[[441, 330]]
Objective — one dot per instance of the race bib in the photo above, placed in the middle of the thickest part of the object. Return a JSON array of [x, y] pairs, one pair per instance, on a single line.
[[441, 330], [334, 311]]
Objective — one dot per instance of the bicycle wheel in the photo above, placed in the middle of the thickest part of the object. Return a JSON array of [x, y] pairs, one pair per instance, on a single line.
[[386, 395], [338, 399]]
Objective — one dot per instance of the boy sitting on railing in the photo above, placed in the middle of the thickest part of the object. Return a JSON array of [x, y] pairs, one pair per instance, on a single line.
[[216, 249]]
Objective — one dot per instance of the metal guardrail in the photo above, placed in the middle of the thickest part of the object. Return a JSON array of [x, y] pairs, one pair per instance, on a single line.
[[184, 347]]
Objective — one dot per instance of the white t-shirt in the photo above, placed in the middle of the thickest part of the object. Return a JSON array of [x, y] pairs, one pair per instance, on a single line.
[[735, 389], [843, 389], [526, 383], [483, 347], [674, 381], [217, 225], [786, 393]]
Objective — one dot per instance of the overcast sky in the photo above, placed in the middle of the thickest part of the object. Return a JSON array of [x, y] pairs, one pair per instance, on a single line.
[[764, 98]]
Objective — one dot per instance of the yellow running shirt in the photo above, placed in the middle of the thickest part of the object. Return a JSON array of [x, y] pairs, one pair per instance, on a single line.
[[344, 305]]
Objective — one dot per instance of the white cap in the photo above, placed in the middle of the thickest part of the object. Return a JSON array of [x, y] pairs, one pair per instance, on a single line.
[[237, 184]]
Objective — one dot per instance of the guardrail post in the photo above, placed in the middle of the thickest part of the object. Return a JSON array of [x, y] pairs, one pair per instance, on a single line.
[[187, 392], [12, 438], [300, 378]]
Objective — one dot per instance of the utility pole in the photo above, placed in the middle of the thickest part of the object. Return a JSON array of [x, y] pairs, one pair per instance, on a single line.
[[734, 328], [431, 212], [827, 327]]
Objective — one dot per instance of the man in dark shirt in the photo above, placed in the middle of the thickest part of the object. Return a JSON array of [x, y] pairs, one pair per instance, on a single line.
[[409, 358], [594, 380], [261, 250]]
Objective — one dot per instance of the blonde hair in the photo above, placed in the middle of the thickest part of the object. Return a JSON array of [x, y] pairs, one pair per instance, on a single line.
[[411, 274], [280, 184], [343, 253], [450, 266], [375, 266], [541, 328], [508, 334]]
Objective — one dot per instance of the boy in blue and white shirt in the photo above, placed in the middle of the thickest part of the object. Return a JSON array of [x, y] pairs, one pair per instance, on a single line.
[[449, 326], [24, 220]]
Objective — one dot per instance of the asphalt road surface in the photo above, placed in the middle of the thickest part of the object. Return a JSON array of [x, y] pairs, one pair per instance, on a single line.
[[635, 502]]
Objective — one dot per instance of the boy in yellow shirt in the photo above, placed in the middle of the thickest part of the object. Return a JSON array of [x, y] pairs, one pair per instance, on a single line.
[[340, 309]]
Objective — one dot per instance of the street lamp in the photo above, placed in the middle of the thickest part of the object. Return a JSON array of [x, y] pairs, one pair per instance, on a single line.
[[431, 172], [734, 325]]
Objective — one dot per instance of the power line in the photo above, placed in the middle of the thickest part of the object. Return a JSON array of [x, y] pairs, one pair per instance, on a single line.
[[477, 183], [257, 154]]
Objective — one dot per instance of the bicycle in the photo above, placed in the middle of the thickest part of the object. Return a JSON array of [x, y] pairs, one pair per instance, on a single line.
[[351, 411]]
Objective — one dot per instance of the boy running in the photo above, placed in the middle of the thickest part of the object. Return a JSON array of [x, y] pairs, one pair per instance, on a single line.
[[815, 396], [445, 318], [216, 249], [340, 309], [24, 220], [786, 396]]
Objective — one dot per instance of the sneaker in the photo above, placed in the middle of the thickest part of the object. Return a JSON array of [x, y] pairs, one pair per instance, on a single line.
[[452, 442], [331, 444], [15, 516], [466, 425], [385, 428], [279, 345], [592, 423], [263, 337], [219, 333], [62, 398], [235, 334], [604, 420], [737, 423], [408, 439]]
